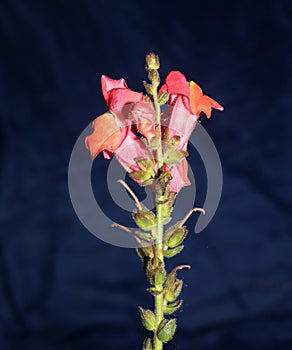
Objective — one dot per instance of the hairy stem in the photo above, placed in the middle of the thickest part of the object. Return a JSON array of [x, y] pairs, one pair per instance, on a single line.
[[158, 345]]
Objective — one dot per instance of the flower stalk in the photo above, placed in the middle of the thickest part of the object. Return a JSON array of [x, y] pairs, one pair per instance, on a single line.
[[155, 157]]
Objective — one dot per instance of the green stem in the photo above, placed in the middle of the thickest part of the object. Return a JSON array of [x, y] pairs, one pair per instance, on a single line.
[[158, 345], [158, 126]]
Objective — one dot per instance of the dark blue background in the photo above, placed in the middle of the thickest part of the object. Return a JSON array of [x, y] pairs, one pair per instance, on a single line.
[[62, 288]]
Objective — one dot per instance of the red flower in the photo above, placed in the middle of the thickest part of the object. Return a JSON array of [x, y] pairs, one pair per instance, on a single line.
[[191, 94], [110, 130], [116, 131], [187, 102]]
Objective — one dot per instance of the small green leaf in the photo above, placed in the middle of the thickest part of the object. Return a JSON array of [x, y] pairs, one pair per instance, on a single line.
[[145, 164], [169, 253], [162, 97], [148, 87], [166, 330], [173, 156], [141, 175], [144, 235], [172, 307], [148, 319], [154, 143], [147, 182], [147, 345]]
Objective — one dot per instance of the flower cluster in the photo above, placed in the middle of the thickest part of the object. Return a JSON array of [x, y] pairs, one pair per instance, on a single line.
[[131, 115]]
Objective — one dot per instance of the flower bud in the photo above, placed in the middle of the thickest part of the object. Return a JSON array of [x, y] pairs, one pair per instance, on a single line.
[[148, 87], [160, 275], [147, 345], [166, 330], [153, 76], [176, 237], [172, 293], [162, 97], [145, 219], [148, 319], [152, 62]]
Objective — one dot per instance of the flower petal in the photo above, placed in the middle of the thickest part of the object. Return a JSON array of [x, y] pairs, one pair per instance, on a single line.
[[106, 136], [116, 93], [176, 84], [179, 121], [179, 173], [143, 115]]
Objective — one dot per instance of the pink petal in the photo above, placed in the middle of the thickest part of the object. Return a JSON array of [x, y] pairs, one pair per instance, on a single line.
[[180, 122], [177, 84], [131, 149], [116, 93], [179, 174], [143, 116]]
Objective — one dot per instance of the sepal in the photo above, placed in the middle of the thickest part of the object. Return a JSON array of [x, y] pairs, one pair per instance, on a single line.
[[166, 330], [145, 219], [169, 253], [148, 319], [172, 307]]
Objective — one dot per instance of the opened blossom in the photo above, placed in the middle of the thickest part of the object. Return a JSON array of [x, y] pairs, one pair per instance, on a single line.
[[188, 103], [116, 132]]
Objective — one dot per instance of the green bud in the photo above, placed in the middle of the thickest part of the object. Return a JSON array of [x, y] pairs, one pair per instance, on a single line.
[[147, 345], [160, 275], [155, 271], [162, 97], [153, 76], [167, 209], [176, 237], [172, 307], [148, 319], [174, 141], [172, 293], [152, 61], [173, 285], [166, 330], [148, 87], [169, 253], [145, 253], [145, 219]]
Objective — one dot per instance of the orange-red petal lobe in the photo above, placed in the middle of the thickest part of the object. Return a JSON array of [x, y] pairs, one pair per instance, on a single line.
[[106, 135], [116, 93], [201, 103]]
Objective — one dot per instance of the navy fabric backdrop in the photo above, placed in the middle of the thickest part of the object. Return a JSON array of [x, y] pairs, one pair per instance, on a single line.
[[61, 287]]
